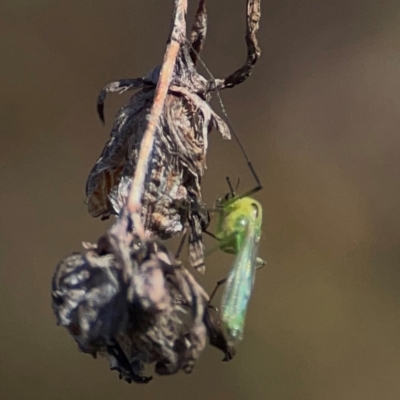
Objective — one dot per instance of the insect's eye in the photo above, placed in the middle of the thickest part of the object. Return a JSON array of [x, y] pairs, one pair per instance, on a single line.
[[229, 196], [256, 208]]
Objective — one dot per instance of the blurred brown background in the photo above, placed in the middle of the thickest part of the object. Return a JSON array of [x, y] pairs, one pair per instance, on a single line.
[[320, 120]]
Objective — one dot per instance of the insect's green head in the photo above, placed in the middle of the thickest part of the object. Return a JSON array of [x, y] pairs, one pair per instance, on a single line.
[[238, 217], [247, 207]]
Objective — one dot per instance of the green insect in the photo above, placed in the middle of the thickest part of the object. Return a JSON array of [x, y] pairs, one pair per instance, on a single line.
[[238, 231]]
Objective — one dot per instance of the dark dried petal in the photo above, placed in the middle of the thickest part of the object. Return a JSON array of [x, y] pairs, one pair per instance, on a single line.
[[199, 31], [89, 299], [253, 16], [119, 86], [119, 362]]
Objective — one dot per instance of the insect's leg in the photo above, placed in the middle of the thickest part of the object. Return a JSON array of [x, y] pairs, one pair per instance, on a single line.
[[200, 208], [119, 86], [177, 203], [199, 31], [181, 243], [256, 178], [210, 234], [190, 207], [223, 245], [217, 286], [260, 263], [210, 251]]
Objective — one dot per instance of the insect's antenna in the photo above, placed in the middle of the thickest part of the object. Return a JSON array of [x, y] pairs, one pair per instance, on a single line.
[[237, 185], [230, 186], [235, 135]]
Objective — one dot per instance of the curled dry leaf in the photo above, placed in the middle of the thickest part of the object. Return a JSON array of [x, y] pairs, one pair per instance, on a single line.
[[173, 185]]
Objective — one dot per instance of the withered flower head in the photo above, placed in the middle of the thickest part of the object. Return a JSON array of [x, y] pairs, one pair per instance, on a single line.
[[133, 303]]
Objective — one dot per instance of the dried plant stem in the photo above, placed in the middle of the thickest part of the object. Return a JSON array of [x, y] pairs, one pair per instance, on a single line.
[[253, 16], [177, 34]]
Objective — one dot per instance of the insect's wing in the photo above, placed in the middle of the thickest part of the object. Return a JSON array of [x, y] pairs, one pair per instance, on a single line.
[[239, 285]]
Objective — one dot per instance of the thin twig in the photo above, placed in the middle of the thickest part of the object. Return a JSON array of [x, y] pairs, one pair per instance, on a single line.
[[167, 68]]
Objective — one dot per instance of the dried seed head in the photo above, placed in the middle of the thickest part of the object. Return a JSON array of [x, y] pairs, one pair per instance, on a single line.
[[132, 303]]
